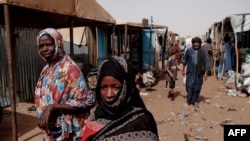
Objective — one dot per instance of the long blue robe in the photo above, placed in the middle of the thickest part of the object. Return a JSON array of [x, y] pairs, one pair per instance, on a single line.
[[194, 75], [225, 57]]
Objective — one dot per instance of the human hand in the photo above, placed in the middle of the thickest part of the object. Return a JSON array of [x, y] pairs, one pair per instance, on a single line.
[[205, 76], [45, 118], [183, 72]]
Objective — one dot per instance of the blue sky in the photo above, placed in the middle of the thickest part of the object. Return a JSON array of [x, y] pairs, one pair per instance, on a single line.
[[185, 17]]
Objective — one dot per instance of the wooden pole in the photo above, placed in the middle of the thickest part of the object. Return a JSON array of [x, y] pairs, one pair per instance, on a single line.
[[71, 36], [222, 54], [237, 59], [215, 52], [125, 40], [164, 48], [11, 86]]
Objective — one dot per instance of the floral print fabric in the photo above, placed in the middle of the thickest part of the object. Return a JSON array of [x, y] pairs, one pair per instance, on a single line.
[[63, 83]]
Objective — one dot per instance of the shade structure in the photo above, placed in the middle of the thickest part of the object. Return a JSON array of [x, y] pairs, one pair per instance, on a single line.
[[54, 13], [42, 14]]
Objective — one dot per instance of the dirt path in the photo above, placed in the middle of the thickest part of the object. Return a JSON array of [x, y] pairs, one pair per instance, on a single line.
[[175, 119]]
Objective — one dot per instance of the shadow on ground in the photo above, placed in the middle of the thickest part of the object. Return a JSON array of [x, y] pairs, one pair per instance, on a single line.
[[25, 124]]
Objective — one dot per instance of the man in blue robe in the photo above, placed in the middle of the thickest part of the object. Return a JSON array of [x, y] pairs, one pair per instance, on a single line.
[[195, 65]]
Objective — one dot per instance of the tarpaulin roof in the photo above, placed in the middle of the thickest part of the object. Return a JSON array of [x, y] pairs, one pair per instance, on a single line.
[[55, 13], [79, 35], [240, 22], [42, 14]]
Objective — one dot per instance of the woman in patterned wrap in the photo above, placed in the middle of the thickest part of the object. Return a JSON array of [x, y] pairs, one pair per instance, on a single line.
[[62, 97], [120, 113]]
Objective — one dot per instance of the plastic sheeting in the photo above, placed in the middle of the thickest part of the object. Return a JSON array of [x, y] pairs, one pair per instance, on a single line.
[[79, 37], [240, 23]]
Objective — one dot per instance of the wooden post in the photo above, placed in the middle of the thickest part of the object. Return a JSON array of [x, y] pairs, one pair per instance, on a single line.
[[125, 40], [215, 52], [10, 71], [222, 57], [237, 59], [71, 36], [164, 45]]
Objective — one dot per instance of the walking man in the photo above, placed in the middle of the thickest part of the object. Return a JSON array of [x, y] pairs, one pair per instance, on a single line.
[[196, 61]]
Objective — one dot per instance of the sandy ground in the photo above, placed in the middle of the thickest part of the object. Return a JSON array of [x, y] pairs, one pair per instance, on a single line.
[[175, 119]]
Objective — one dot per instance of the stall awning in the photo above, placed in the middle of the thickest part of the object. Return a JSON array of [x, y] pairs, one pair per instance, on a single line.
[[55, 13], [79, 35], [240, 22]]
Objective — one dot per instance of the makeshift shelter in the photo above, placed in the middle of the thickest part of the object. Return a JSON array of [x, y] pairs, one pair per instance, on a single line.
[[138, 42], [40, 14], [237, 26], [218, 31], [116, 45], [240, 24]]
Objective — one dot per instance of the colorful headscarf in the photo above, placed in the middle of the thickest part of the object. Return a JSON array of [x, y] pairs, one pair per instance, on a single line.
[[58, 40]]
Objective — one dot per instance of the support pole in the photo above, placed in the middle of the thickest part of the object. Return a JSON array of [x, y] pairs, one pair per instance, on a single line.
[[10, 71]]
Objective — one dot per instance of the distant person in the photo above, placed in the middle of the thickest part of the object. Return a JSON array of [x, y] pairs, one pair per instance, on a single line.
[[161, 53], [209, 49], [176, 46], [225, 61], [62, 97], [137, 74], [196, 61], [183, 46], [120, 113], [171, 69]]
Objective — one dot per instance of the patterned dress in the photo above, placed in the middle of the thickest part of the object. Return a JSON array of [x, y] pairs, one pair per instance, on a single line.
[[63, 83]]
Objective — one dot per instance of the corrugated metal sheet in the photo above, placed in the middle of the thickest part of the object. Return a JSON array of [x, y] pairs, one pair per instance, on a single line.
[[27, 61], [4, 95]]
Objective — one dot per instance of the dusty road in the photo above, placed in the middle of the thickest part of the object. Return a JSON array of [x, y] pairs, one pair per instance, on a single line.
[[178, 121], [175, 119]]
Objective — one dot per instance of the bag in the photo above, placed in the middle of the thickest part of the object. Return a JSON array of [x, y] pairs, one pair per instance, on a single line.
[[184, 80]]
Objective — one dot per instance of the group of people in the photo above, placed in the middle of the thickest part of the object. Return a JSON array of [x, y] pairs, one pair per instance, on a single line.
[[195, 68], [67, 109], [198, 62]]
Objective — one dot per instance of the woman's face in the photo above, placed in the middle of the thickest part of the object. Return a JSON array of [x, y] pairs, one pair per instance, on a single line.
[[46, 47], [110, 87]]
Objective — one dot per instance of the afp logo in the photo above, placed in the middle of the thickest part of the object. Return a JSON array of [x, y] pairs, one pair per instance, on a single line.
[[236, 132]]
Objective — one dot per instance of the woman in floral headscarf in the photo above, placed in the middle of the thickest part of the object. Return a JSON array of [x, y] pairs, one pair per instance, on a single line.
[[120, 113], [61, 97]]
